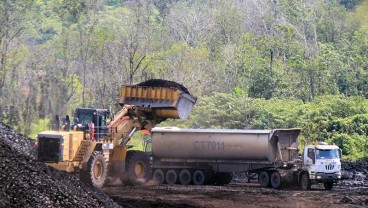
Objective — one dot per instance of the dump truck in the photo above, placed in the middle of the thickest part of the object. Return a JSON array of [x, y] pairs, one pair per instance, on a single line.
[[97, 145], [211, 156]]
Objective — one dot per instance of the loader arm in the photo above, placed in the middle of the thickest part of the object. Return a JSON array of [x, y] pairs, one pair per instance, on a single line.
[[128, 120]]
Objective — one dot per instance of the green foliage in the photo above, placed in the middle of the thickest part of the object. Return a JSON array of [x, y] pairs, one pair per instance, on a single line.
[[41, 125]]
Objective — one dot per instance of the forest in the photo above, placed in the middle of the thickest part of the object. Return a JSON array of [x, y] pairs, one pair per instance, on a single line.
[[253, 64]]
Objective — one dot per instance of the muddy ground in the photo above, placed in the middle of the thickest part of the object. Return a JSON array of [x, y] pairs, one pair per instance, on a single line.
[[236, 194]]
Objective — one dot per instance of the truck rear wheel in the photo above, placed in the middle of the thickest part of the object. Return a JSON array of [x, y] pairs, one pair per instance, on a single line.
[[185, 177], [328, 185], [138, 167], [159, 177], [198, 177], [305, 182], [264, 179], [276, 180], [96, 170], [171, 177]]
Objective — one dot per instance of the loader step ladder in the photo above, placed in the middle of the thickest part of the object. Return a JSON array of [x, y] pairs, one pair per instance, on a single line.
[[81, 152]]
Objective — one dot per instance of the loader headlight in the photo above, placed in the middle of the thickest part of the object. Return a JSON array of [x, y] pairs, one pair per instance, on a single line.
[[319, 177]]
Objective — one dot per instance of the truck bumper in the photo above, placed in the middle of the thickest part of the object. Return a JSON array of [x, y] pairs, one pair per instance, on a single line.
[[326, 177]]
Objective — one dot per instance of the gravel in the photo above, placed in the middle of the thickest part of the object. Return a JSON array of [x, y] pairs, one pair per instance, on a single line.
[[25, 182]]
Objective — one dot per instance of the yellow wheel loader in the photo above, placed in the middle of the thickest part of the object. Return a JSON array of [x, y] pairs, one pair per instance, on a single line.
[[97, 147]]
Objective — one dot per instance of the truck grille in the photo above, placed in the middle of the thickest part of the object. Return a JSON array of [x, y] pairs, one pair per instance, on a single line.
[[330, 167]]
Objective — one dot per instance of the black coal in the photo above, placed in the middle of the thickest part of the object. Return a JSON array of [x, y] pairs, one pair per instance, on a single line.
[[163, 83], [27, 183]]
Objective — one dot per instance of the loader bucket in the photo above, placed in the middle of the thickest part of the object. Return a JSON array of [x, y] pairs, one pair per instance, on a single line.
[[165, 102]]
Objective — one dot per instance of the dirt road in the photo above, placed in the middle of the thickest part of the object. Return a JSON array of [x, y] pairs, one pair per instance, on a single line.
[[236, 195]]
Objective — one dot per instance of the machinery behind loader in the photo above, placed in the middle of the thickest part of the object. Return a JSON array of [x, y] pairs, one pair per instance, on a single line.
[[96, 147]]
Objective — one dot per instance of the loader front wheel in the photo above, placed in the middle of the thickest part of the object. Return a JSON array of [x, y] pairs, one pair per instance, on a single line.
[[96, 171], [138, 167]]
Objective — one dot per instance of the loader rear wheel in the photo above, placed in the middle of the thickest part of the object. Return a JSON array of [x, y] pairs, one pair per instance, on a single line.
[[276, 180], [185, 177], [305, 182], [138, 167], [96, 170], [198, 177], [264, 179], [171, 177], [159, 177]]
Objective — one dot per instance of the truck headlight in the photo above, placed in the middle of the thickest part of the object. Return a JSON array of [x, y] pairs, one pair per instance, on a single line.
[[338, 176], [319, 177]]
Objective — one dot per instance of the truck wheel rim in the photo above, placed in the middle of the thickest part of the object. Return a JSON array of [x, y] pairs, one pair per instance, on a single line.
[[97, 170]]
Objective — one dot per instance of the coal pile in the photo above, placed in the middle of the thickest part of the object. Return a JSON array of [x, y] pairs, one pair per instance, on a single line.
[[163, 83], [18, 141], [27, 183]]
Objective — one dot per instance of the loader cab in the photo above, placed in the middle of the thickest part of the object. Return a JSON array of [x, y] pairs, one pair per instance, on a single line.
[[98, 117]]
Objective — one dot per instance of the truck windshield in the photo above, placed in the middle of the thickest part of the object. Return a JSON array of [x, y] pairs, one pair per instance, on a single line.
[[327, 154]]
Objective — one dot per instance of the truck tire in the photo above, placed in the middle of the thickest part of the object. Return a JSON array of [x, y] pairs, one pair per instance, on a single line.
[[159, 177], [276, 180], [264, 179], [185, 177], [328, 185], [198, 177], [96, 170], [171, 177], [138, 167], [305, 181]]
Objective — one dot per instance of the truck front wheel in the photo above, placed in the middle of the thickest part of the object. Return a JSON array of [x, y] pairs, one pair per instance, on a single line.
[[328, 185], [305, 182]]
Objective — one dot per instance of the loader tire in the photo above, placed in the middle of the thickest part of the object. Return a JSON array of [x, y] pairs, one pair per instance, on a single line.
[[96, 171], [138, 168]]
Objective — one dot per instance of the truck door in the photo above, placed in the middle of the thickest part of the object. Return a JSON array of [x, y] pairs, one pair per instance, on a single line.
[[310, 158]]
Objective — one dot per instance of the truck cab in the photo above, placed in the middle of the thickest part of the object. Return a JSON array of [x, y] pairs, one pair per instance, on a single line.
[[322, 164]]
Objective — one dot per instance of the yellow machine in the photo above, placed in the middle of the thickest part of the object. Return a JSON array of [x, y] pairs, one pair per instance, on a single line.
[[96, 147]]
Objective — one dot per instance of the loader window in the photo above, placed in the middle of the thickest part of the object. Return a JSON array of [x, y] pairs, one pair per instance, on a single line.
[[85, 118]]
